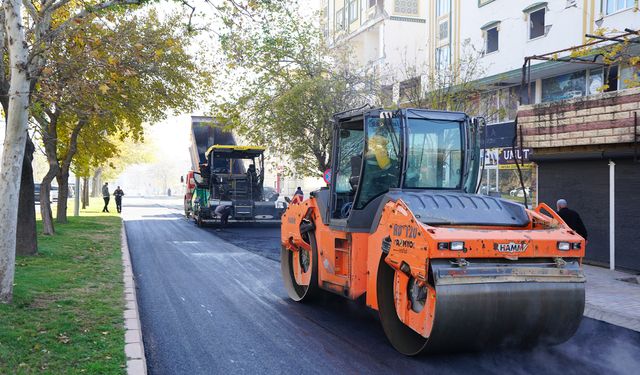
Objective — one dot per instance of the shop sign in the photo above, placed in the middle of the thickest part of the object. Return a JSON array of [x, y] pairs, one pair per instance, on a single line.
[[513, 166], [507, 155]]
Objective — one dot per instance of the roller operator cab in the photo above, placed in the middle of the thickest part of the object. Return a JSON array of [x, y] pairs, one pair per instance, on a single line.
[[447, 269]]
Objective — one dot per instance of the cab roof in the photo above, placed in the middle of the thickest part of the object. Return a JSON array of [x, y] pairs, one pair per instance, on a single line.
[[234, 151]]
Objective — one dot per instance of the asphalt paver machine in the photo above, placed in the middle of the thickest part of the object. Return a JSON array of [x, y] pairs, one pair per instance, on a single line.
[[446, 268], [234, 176]]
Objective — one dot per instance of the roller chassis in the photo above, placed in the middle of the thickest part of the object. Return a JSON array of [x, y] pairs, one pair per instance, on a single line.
[[401, 246], [446, 269]]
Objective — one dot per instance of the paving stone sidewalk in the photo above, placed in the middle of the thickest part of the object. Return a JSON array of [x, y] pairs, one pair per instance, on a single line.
[[611, 300]]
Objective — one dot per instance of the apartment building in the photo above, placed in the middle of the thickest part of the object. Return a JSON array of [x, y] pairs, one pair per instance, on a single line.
[[383, 36]]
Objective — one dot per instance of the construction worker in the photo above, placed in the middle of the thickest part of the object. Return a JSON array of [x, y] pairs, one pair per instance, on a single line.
[[571, 217], [298, 196], [252, 178], [118, 193], [223, 212], [106, 196]]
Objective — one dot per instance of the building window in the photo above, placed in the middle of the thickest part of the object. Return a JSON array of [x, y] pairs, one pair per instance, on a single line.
[[566, 86], [353, 10], [406, 7], [443, 60], [536, 23], [340, 19], [443, 30], [484, 2], [595, 81], [612, 78], [612, 6], [629, 77], [508, 103], [372, 3], [442, 7], [326, 19], [491, 42]]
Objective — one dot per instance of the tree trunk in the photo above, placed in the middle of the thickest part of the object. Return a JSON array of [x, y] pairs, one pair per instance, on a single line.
[[96, 183], [26, 234], [45, 202], [14, 145], [85, 192], [63, 172], [50, 141], [63, 195]]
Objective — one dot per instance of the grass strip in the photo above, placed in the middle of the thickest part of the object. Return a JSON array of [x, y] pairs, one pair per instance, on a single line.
[[66, 317]]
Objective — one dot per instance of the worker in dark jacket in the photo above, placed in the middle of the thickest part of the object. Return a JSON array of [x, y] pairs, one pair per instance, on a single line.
[[298, 196], [118, 193], [571, 217], [106, 196]]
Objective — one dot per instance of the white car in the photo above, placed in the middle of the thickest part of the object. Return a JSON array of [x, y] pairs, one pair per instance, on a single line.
[[54, 193], [517, 192]]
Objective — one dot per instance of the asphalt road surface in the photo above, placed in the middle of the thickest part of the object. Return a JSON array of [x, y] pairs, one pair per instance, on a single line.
[[212, 302]]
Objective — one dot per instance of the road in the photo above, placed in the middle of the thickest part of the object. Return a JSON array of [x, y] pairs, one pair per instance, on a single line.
[[212, 302]]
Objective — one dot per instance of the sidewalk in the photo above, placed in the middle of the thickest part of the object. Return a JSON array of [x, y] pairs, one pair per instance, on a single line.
[[611, 300]]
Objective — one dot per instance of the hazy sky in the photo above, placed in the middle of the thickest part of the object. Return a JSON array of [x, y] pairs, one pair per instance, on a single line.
[[173, 135]]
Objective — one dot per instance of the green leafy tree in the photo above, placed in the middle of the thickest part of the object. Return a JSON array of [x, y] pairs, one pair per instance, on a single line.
[[283, 85], [107, 80], [29, 30]]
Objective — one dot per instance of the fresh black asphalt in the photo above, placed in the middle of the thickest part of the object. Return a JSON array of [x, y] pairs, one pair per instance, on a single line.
[[212, 302]]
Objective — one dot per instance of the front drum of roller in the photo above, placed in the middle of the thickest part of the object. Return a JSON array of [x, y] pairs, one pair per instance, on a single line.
[[481, 316]]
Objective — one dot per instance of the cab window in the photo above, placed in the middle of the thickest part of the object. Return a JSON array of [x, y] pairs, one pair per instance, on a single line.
[[434, 158], [382, 162], [351, 145]]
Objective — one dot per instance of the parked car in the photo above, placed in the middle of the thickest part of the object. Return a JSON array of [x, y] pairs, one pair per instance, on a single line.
[[269, 194], [517, 192], [36, 192], [54, 193]]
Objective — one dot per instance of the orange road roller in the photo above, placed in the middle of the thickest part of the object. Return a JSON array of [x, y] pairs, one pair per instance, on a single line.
[[446, 268]]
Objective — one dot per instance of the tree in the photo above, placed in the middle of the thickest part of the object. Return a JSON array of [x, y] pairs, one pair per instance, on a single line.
[[25, 66], [26, 62], [613, 49], [26, 241], [100, 91], [287, 86], [452, 87], [14, 144]]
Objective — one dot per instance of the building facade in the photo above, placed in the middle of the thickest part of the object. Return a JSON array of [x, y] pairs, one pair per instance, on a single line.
[[382, 36], [506, 32], [502, 33], [587, 150]]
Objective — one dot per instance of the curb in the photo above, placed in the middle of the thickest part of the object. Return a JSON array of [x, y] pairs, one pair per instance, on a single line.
[[594, 312], [133, 345]]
